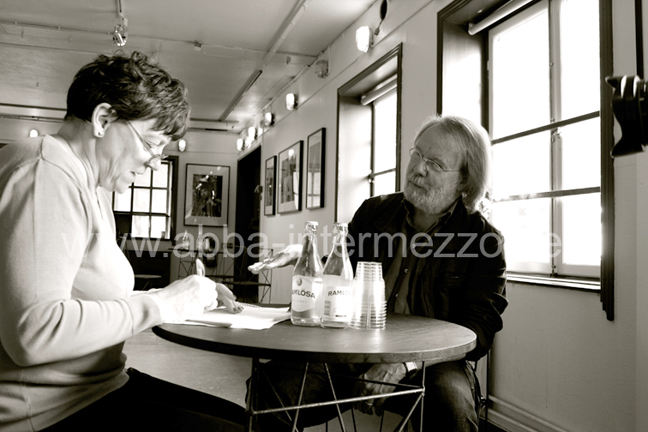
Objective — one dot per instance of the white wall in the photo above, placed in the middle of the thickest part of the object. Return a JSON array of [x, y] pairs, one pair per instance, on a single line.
[[559, 364]]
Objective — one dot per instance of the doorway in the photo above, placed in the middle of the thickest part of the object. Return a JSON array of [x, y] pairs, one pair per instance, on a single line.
[[248, 212]]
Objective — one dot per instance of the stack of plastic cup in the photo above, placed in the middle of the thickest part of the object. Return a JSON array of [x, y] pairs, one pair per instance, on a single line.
[[370, 307]]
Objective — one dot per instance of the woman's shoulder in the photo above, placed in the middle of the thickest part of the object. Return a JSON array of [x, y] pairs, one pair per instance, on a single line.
[[26, 154]]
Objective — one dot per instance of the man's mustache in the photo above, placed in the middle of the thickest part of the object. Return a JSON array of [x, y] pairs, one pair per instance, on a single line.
[[418, 181]]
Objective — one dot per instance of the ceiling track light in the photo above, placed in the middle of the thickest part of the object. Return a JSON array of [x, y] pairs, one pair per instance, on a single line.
[[268, 119], [119, 35], [291, 101], [321, 68], [364, 38]]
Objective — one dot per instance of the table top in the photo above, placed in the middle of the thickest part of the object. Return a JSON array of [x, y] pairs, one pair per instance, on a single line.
[[405, 338]]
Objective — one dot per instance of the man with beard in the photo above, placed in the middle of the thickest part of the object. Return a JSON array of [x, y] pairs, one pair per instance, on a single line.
[[441, 259]]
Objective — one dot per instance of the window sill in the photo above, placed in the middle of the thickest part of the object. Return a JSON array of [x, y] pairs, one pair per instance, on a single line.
[[556, 282]]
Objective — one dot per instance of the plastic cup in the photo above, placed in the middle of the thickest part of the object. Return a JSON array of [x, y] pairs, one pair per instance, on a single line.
[[370, 310]]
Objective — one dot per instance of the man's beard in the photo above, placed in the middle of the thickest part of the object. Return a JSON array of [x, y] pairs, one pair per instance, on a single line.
[[431, 201]]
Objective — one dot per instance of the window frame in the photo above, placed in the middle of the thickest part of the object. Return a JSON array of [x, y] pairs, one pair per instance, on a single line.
[[453, 23], [172, 189]]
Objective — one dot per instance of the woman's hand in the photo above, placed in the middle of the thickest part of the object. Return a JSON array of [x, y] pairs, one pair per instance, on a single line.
[[225, 298], [287, 256], [190, 297], [386, 372]]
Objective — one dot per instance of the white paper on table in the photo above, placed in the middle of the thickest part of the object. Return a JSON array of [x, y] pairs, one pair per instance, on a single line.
[[252, 317]]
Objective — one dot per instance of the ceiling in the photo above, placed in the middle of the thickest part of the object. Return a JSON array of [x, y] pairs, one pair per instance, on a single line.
[[234, 56]]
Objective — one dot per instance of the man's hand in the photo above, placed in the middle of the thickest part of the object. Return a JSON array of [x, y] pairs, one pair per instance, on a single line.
[[392, 373], [287, 256]]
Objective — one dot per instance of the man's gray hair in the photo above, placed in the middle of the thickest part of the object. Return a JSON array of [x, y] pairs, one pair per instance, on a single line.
[[476, 148]]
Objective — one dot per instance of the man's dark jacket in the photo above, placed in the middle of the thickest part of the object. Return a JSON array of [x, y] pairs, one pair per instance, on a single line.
[[463, 280]]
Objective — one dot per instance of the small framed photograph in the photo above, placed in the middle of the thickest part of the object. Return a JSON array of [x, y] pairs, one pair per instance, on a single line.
[[206, 195], [289, 179], [269, 192], [315, 170]]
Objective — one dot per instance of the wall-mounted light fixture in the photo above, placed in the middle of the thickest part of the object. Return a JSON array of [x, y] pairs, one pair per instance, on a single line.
[[291, 101], [268, 119], [33, 133], [182, 145], [239, 144], [364, 38], [252, 133]]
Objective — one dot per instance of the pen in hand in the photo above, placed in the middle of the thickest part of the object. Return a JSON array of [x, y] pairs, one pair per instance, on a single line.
[[200, 267]]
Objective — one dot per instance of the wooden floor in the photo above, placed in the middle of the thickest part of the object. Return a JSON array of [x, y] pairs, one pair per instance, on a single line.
[[218, 374]]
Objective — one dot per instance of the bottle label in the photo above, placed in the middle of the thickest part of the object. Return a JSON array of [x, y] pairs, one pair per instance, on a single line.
[[305, 291], [338, 303]]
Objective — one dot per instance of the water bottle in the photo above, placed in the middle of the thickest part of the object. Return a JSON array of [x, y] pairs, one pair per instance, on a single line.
[[337, 279], [307, 281]]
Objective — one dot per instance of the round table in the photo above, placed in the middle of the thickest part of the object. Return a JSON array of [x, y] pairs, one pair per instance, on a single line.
[[405, 338]]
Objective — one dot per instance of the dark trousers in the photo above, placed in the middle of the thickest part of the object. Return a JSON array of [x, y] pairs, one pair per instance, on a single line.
[[449, 404], [146, 403]]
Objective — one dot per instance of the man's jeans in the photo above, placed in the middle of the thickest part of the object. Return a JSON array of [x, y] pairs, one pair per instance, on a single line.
[[449, 404]]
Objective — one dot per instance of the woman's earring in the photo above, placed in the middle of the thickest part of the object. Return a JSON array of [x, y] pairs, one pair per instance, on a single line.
[[99, 134]]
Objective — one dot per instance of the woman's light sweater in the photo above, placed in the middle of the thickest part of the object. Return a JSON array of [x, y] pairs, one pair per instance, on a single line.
[[65, 309]]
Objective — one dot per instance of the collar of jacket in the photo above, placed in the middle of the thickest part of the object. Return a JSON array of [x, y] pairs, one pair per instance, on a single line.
[[395, 211]]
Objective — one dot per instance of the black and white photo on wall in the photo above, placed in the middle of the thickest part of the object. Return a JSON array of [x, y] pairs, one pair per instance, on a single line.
[[289, 179], [269, 191], [315, 169], [206, 195]]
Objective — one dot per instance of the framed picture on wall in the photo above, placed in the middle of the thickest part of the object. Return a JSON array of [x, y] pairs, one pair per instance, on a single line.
[[269, 192], [315, 170], [206, 195], [289, 179]]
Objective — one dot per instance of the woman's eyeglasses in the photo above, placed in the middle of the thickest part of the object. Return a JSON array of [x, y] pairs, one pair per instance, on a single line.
[[148, 146], [429, 163]]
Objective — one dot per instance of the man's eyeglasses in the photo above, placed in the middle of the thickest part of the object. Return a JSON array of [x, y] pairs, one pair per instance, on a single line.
[[429, 163], [148, 146]]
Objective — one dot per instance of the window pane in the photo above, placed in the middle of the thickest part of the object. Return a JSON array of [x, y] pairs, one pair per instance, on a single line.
[[580, 76], [520, 74], [581, 162], [140, 226], [161, 176], [144, 179], [123, 201], [581, 238], [385, 183], [385, 132], [142, 200], [522, 166], [158, 227], [526, 227], [160, 201]]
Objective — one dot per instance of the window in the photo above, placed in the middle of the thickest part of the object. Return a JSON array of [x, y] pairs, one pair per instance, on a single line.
[[535, 82], [382, 177], [147, 208], [368, 141], [545, 126]]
